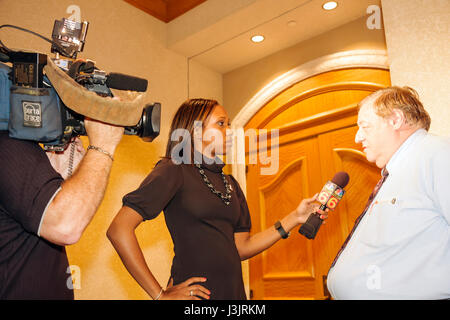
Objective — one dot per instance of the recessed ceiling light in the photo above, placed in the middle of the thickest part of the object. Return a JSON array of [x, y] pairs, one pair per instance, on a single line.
[[257, 38], [330, 5]]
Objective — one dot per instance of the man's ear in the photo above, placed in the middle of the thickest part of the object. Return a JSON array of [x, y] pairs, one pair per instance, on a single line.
[[397, 119]]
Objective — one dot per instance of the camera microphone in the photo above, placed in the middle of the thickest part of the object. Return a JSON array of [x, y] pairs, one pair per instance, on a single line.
[[329, 197], [125, 82]]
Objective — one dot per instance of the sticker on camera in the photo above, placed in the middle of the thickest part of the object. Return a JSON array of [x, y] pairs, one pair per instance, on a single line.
[[32, 114]]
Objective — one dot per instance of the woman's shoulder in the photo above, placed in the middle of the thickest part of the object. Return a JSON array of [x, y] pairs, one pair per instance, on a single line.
[[165, 166], [166, 163], [164, 170]]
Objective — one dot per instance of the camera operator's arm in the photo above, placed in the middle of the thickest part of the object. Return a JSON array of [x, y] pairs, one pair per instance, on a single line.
[[73, 207]]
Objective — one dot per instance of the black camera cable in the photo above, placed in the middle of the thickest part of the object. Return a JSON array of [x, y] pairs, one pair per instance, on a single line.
[[63, 50]]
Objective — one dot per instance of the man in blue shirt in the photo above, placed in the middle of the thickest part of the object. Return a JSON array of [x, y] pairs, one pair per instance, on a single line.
[[400, 246]]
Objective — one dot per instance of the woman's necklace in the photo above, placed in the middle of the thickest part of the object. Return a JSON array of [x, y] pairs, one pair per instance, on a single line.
[[226, 198]]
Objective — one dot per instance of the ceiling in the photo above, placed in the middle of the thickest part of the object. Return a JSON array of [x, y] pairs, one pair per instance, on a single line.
[[165, 10], [217, 33]]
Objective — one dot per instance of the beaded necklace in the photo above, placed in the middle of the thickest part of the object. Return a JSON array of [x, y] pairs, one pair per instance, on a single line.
[[226, 198]]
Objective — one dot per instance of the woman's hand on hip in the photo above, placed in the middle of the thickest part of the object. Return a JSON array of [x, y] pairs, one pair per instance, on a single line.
[[187, 290]]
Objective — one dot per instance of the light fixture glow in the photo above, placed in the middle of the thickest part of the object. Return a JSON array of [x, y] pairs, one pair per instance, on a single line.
[[257, 38], [330, 5]]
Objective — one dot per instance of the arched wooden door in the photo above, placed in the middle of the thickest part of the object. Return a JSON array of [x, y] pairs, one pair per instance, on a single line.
[[316, 119]]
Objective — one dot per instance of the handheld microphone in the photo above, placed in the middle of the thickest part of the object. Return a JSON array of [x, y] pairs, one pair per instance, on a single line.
[[329, 197]]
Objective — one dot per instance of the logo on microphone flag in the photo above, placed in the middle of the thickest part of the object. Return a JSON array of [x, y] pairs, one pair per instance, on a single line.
[[330, 195]]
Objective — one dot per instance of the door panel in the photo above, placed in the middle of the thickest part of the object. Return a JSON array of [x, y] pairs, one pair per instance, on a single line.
[[274, 200]]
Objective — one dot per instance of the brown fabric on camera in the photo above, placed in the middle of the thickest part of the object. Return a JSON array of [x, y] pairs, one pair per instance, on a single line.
[[124, 112]]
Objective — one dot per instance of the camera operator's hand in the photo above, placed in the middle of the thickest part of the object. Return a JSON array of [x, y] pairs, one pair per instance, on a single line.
[[103, 135], [67, 161]]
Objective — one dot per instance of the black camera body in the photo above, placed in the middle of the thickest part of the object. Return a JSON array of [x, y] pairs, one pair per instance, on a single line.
[[35, 110]]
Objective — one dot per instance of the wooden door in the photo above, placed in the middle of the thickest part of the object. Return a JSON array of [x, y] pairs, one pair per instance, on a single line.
[[316, 121]]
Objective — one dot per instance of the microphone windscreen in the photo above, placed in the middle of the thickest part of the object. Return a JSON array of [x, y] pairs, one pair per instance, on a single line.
[[125, 82], [341, 179]]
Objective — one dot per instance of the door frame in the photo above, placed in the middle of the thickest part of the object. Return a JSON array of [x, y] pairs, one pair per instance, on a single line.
[[375, 59]]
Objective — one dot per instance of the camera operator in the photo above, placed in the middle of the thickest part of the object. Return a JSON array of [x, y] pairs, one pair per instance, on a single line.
[[40, 212]]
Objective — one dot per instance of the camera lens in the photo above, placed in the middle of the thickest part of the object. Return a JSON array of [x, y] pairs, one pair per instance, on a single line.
[[148, 127]]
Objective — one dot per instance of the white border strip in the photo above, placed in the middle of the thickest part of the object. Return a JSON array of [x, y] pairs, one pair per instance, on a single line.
[[45, 210]]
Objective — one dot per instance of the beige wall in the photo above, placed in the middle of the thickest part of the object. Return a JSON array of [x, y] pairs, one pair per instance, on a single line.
[[203, 83], [123, 39], [417, 36], [240, 85]]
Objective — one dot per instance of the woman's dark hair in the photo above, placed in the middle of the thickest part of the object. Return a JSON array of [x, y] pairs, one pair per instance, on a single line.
[[190, 111]]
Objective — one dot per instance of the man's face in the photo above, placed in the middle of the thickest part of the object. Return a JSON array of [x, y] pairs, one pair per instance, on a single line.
[[375, 134]]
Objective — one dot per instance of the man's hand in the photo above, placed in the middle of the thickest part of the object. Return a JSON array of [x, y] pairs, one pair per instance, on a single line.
[[103, 135], [62, 162]]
